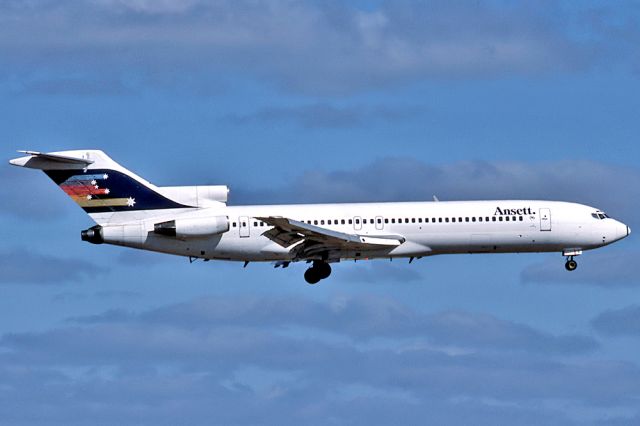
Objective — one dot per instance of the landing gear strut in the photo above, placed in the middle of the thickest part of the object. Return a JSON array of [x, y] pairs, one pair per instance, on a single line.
[[571, 264], [319, 271]]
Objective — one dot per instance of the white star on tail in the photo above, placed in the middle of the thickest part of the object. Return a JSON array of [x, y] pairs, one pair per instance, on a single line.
[[131, 201], [105, 176]]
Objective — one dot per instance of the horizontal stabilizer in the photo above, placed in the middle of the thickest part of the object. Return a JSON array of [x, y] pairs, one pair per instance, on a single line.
[[44, 161]]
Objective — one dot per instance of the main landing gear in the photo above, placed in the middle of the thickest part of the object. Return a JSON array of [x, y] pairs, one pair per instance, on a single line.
[[319, 271], [571, 264]]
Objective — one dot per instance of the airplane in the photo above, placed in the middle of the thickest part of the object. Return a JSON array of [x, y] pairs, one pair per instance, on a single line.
[[196, 222]]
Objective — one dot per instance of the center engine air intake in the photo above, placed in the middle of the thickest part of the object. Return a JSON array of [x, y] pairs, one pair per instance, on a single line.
[[197, 227]]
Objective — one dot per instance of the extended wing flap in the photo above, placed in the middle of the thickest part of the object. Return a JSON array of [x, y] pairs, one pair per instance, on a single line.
[[287, 232]]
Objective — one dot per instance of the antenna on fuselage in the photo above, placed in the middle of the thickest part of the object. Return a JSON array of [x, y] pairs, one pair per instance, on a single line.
[[435, 198]]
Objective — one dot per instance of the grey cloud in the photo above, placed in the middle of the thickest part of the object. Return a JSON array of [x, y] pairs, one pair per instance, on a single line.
[[189, 360], [613, 188], [303, 46], [360, 318], [21, 266], [619, 322], [608, 269], [322, 115]]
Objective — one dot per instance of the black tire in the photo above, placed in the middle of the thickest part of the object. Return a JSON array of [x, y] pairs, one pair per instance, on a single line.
[[571, 265], [311, 276], [323, 270]]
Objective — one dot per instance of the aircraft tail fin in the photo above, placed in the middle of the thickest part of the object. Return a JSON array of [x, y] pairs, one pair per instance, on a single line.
[[98, 184]]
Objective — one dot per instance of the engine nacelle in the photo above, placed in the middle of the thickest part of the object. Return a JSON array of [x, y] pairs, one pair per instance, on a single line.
[[193, 227], [196, 196]]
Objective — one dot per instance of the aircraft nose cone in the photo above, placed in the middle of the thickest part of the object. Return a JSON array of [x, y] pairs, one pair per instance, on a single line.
[[622, 231]]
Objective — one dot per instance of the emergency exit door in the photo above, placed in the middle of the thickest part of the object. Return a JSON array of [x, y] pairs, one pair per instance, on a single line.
[[545, 219], [245, 226]]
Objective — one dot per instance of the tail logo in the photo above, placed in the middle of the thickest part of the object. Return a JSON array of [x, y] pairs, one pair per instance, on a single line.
[[107, 190], [90, 190]]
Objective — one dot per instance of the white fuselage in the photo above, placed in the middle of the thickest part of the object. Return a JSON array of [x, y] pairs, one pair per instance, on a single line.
[[427, 228]]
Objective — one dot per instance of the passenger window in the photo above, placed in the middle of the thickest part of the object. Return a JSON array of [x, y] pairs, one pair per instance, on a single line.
[[379, 220], [500, 218], [234, 224], [315, 222], [364, 221], [480, 219], [466, 219], [440, 219], [357, 221], [406, 220], [350, 221], [321, 221], [446, 219], [473, 219], [255, 223], [459, 219], [393, 220], [453, 219], [386, 221], [486, 219], [521, 218], [244, 224], [413, 220], [506, 218], [419, 220], [493, 219], [342, 221]]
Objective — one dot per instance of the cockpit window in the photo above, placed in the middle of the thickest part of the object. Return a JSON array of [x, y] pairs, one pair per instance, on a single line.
[[599, 215]]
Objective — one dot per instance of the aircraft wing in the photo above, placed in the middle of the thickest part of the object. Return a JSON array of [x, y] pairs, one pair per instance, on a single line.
[[310, 239]]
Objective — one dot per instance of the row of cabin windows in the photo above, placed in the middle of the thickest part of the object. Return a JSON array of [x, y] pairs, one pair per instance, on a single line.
[[402, 220]]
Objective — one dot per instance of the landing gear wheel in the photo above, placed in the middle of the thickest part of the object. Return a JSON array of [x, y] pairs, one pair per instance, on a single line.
[[311, 276], [571, 265], [323, 270]]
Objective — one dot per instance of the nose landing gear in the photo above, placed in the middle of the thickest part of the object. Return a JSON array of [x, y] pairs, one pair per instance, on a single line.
[[571, 264], [319, 271]]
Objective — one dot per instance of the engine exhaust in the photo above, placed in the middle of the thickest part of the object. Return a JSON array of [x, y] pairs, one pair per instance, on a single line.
[[92, 235]]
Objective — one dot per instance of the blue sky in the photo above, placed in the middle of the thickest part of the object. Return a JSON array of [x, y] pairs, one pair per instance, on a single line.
[[290, 101]]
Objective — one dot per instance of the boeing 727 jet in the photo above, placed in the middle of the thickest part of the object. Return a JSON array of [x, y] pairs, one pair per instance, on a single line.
[[195, 221]]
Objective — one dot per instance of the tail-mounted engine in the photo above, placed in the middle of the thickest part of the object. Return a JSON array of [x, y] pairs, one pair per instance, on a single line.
[[197, 227]]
